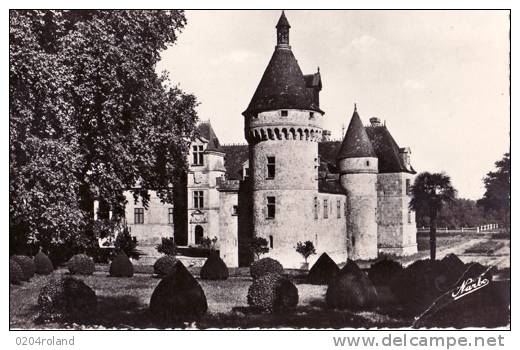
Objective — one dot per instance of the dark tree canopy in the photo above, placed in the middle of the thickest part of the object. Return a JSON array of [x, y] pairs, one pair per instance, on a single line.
[[429, 194], [497, 198], [90, 117]]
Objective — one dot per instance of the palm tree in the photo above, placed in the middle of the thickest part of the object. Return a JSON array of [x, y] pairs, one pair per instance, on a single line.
[[429, 193]]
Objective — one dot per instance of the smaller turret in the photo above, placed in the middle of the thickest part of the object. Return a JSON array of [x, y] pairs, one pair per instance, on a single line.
[[356, 154], [357, 163]]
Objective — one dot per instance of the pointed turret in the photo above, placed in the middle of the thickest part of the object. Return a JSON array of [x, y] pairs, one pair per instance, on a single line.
[[356, 143], [282, 31]]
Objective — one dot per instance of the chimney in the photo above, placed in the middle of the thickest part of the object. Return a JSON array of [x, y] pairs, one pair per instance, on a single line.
[[326, 135], [375, 121]]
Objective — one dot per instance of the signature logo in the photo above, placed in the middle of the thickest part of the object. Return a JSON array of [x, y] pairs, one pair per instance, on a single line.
[[469, 286]]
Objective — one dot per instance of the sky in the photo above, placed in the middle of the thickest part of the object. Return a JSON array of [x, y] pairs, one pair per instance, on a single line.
[[440, 79]]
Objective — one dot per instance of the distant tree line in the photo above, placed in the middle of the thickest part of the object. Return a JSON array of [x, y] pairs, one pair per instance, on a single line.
[[493, 207]]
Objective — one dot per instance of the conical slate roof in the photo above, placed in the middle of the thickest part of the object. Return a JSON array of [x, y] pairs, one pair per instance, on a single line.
[[283, 85], [356, 143], [283, 22], [206, 131]]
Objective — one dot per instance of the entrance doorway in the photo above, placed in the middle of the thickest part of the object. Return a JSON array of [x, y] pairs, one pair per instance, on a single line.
[[199, 234]]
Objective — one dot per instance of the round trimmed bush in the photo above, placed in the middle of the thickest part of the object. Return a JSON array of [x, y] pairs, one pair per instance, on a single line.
[[16, 275], [265, 266], [272, 293], [419, 284], [214, 268], [66, 299], [323, 271], [43, 264], [27, 265], [351, 289], [384, 271], [164, 265], [81, 264], [121, 266], [178, 298]]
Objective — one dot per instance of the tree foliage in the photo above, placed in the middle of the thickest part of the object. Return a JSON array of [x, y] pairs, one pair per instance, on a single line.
[[458, 213], [259, 246], [497, 198], [90, 117], [429, 193], [305, 249]]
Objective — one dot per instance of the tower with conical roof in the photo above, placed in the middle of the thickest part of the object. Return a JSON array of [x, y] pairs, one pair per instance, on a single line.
[[358, 166], [283, 125]]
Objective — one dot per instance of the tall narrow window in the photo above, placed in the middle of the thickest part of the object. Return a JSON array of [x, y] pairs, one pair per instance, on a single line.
[[316, 208], [271, 242], [409, 216], [198, 199], [170, 215], [338, 208], [198, 155], [408, 187], [325, 209], [271, 207], [271, 167], [138, 215], [234, 211]]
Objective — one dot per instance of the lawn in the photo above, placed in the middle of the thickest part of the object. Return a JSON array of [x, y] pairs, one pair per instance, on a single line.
[[123, 303]]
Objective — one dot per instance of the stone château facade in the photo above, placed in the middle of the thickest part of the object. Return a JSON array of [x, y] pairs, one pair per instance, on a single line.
[[290, 182]]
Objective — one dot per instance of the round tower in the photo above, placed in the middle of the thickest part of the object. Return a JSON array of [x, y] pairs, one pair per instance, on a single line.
[[283, 127], [357, 164]]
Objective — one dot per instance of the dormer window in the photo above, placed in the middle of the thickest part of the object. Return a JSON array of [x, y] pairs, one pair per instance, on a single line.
[[284, 113], [198, 155]]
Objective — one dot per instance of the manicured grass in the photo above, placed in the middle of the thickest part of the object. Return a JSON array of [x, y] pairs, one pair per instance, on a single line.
[[123, 303], [486, 248]]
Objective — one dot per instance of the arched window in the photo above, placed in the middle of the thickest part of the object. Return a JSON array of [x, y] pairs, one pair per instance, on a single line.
[[199, 234]]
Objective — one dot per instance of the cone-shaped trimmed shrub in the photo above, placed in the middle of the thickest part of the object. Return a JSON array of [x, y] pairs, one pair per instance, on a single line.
[[81, 264], [384, 271], [27, 265], [66, 299], [351, 289], [453, 263], [323, 270], [177, 298], [164, 265], [272, 293], [15, 272], [265, 266], [214, 268], [121, 266], [43, 264], [419, 284]]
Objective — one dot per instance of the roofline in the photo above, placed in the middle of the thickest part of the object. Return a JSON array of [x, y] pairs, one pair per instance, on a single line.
[[248, 112]]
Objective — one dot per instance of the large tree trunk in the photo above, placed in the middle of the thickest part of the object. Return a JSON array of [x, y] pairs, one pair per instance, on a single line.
[[433, 235]]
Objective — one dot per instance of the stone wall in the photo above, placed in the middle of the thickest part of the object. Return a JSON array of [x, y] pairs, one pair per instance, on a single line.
[[154, 228], [396, 222], [330, 232], [228, 232], [358, 179]]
